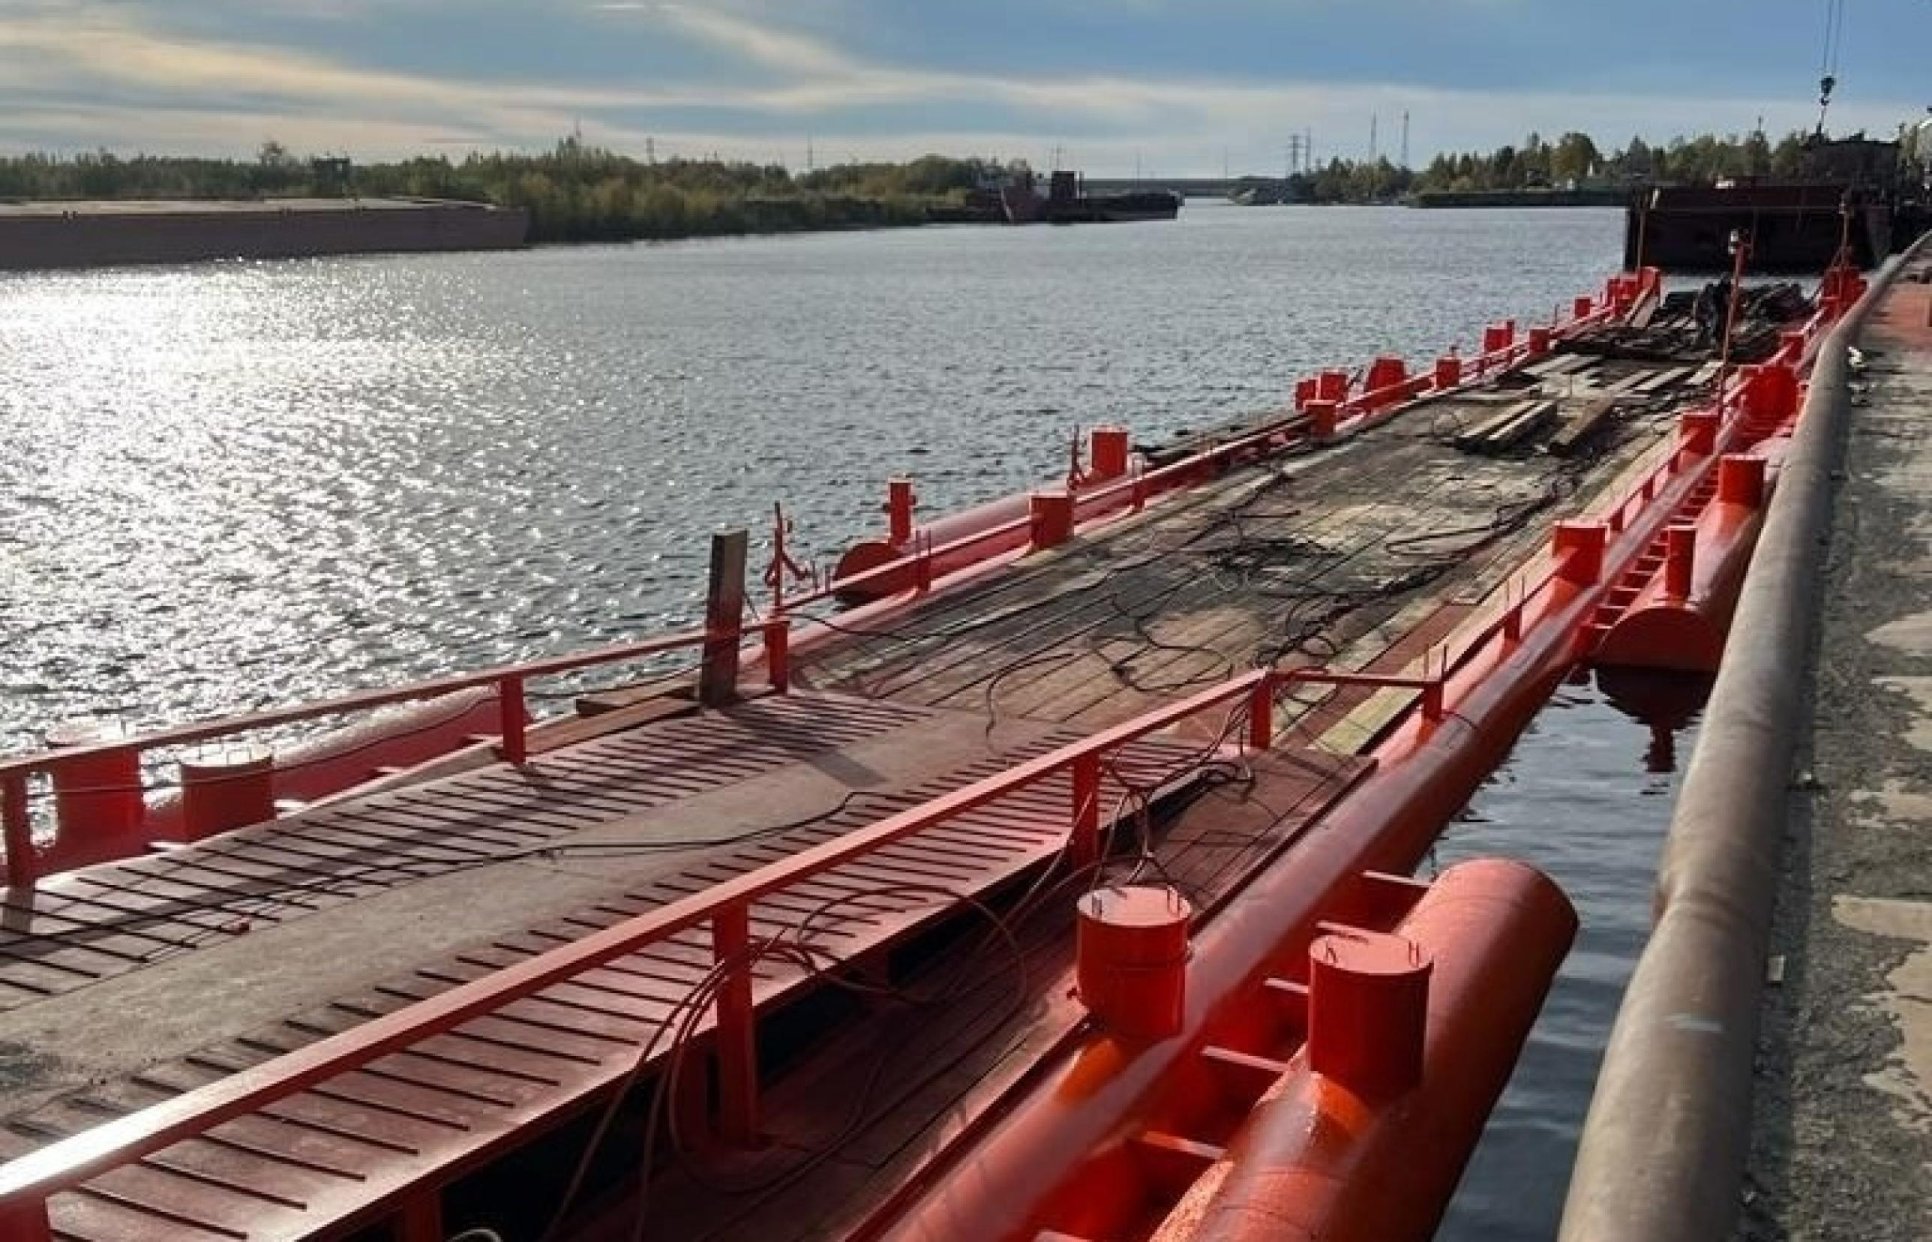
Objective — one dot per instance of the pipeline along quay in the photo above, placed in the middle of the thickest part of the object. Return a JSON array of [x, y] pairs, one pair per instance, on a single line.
[[1770, 1076]]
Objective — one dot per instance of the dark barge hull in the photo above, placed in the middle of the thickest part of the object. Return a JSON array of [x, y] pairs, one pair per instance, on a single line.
[[1794, 228], [50, 235]]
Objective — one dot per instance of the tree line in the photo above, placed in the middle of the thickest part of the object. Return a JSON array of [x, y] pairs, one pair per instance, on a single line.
[[574, 191], [579, 192], [1572, 160]]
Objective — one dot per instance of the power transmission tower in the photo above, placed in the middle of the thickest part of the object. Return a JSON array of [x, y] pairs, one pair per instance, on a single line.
[[1405, 138], [1375, 122]]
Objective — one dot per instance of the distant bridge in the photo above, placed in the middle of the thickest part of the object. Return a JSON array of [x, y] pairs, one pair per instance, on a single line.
[[1187, 187]]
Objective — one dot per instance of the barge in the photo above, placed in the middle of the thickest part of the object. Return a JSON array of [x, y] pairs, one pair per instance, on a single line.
[[56, 234], [1053, 887]]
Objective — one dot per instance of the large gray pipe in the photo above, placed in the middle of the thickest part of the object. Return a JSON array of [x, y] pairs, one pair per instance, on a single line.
[[1663, 1150]]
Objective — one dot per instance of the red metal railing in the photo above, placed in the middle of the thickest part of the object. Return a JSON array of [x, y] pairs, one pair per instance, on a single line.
[[508, 681], [27, 1183]]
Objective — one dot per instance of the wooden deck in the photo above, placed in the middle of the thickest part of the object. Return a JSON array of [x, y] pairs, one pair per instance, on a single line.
[[452, 881]]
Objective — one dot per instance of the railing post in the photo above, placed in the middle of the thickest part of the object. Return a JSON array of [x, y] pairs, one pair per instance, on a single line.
[[26, 1222], [1261, 715], [778, 653], [421, 1218], [509, 711], [1680, 553], [1084, 844], [737, 1029], [1432, 695], [724, 611], [1513, 623], [922, 566], [899, 506], [23, 867]]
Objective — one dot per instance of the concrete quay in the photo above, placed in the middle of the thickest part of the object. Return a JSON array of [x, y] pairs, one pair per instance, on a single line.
[[1842, 1127]]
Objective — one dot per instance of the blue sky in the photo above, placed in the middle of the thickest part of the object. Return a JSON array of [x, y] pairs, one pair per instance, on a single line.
[[1175, 86]]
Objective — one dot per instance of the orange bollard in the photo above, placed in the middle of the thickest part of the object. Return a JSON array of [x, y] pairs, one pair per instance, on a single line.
[[1368, 1001], [1698, 432], [1131, 953], [1384, 374], [1051, 519], [225, 787], [1448, 371], [1107, 451], [899, 506], [99, 796], [1771, 392], [1680, 553], [1579, 546], [1324, 417], [1740, 480]]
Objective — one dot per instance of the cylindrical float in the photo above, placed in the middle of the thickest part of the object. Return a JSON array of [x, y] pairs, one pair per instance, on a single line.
[[1319, 1159], [1331, 386], [1007, 515], [1539, 341], [1305, 391], [1680, 619], [1131, 953], [227, 786], [1583, 307], [1448, 371]]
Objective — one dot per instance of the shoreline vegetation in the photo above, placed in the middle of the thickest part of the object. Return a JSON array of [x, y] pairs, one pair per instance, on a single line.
[[580, 193]]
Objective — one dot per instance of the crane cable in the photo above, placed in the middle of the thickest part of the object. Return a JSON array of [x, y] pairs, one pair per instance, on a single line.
[[1828, 57]]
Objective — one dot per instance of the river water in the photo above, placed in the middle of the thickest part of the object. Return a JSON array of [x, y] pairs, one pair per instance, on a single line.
[[229, 486]]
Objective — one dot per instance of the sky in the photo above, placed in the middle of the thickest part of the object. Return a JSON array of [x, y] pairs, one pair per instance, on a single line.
[[1166, 87]]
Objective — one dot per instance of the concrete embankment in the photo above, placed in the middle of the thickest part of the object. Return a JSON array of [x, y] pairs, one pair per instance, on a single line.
[[1664, 1151], [43, 235]]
